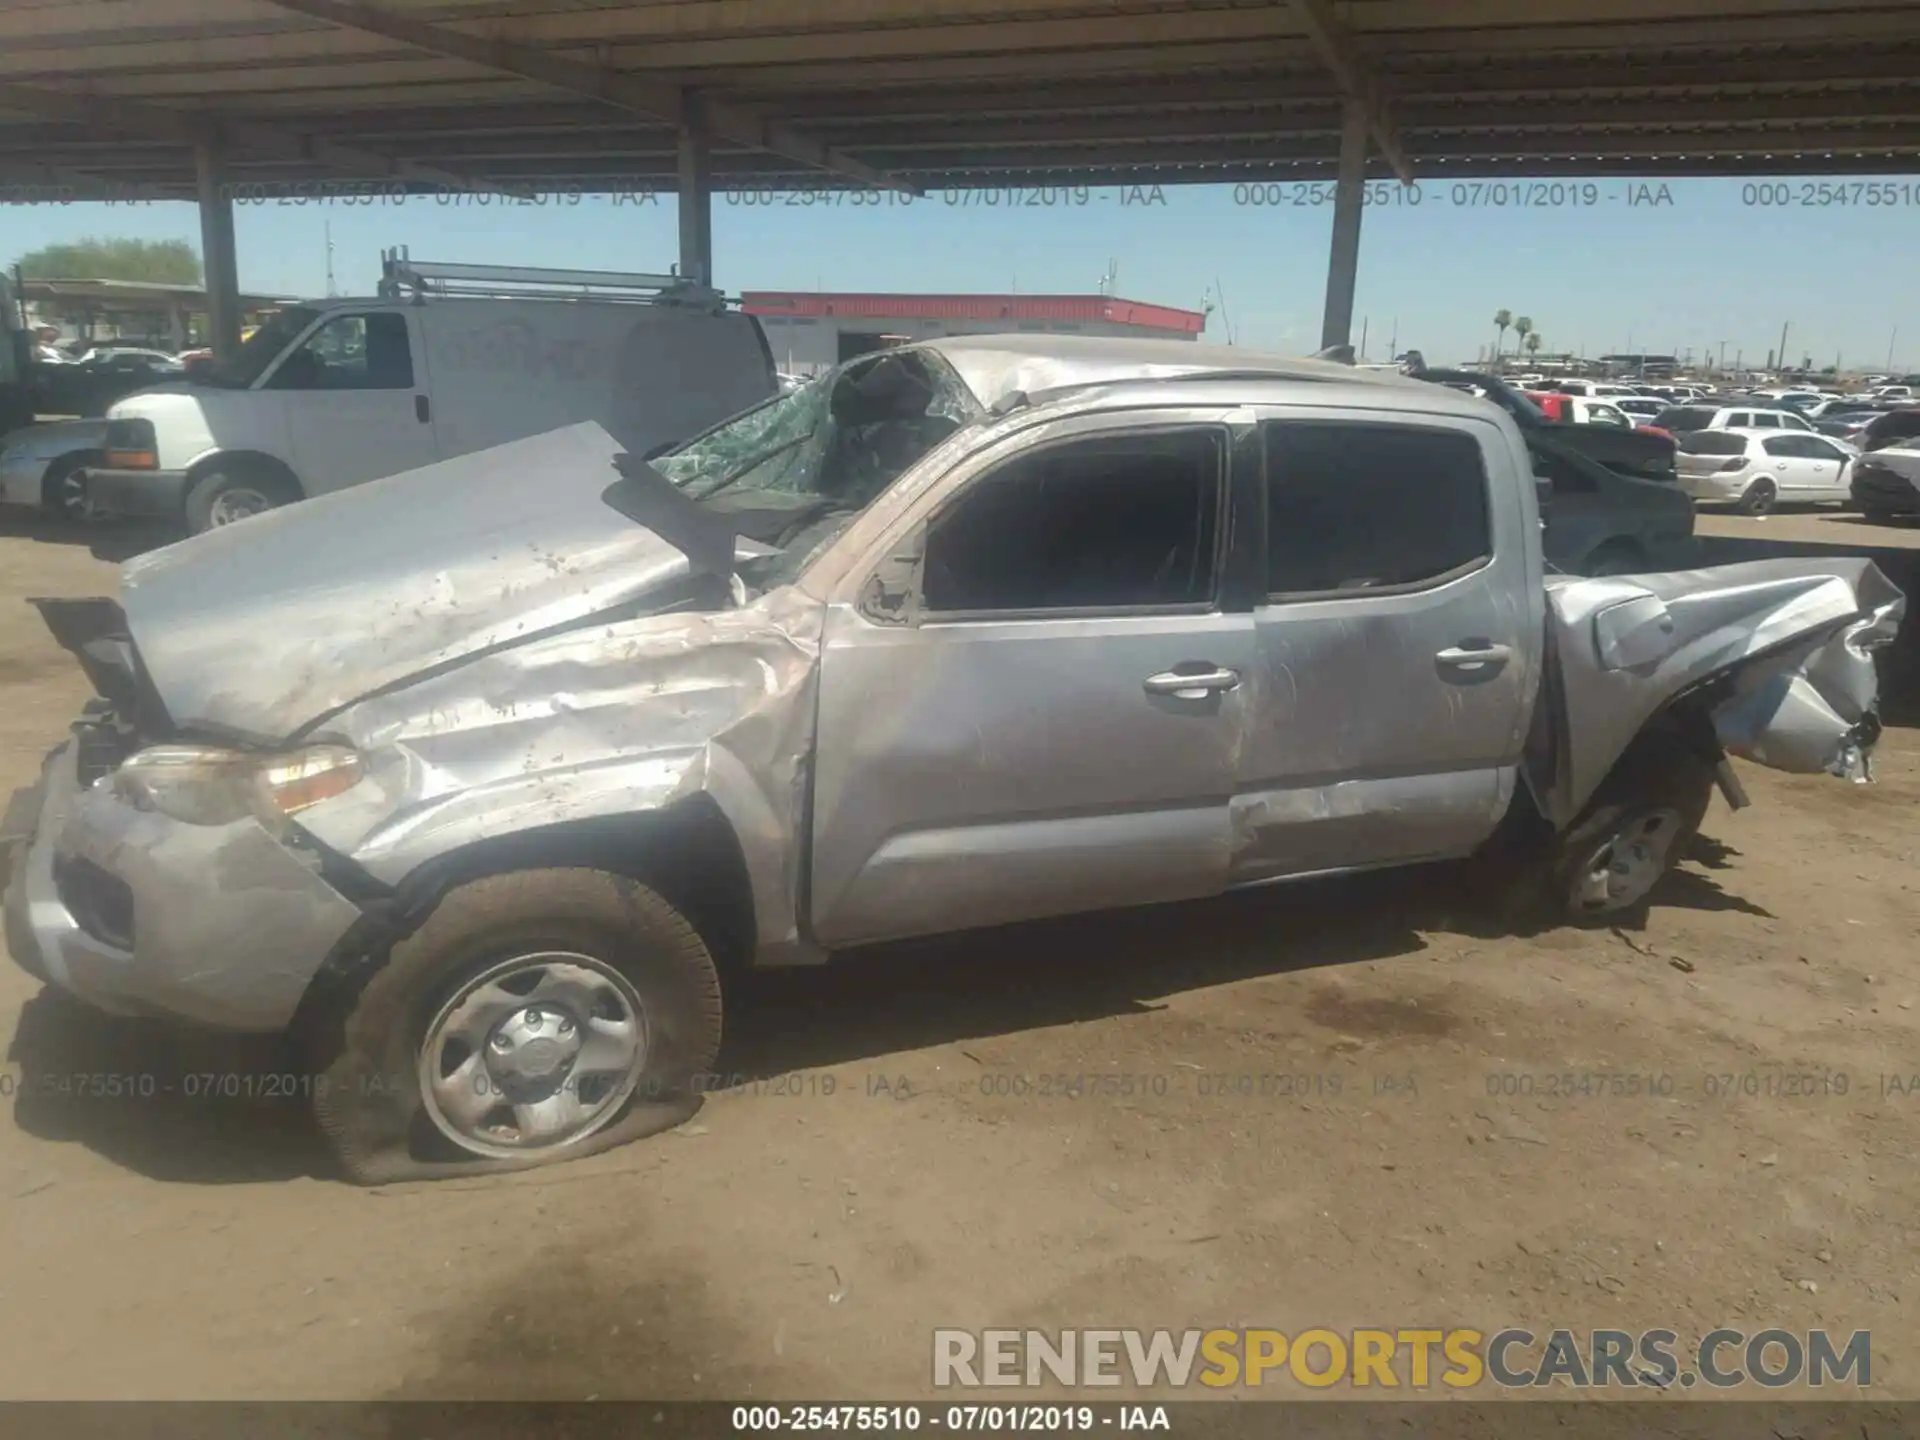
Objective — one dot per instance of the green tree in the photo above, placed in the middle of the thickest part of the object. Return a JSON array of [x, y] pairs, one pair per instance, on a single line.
[[1501, 320], [1522, 328], [1533, 342], [169, 262]]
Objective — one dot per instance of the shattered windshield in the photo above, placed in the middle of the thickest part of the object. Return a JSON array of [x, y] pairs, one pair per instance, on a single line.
[[841, 439]]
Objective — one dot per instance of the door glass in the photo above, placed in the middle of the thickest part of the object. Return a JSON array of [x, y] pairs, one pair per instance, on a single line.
[[1764, 421], [351, 352], [1782, 447], [1117, 522], [1371, 507]]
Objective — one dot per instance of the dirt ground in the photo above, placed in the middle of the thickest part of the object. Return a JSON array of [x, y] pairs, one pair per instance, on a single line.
[[896, 1166]]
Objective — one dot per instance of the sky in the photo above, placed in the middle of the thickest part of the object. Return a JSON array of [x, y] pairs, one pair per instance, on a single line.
[[1605, 265]]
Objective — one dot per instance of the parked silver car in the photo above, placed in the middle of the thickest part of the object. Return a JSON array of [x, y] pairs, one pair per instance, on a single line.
[[43, 466], [482, 801]]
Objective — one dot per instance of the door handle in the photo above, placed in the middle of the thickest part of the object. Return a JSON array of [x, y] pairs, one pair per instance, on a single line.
[[1195, 686], [421, 411], [1474, 654]]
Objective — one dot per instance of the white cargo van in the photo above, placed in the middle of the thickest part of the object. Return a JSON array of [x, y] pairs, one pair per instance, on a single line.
[[448, 359]]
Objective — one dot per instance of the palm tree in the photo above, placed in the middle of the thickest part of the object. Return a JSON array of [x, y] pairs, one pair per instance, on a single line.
[[1522, 328], [1533, 342], [1501, 320]]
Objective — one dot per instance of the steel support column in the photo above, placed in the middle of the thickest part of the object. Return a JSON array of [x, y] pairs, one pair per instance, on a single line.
[[696, 202], [1349, 198], [217, 256]]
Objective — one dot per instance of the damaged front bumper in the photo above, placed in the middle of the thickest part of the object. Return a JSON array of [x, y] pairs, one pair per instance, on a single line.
[[140, 914]]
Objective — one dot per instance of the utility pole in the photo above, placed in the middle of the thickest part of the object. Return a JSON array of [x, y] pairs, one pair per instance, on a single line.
[[1890, 339], [1783, 343], [1363, 337], [1723, 356]]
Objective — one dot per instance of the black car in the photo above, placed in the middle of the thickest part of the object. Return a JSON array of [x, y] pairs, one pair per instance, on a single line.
[[1629, 452]]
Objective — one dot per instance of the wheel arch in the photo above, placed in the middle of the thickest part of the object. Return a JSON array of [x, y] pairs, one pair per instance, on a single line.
[[257, 461], [687, 852]]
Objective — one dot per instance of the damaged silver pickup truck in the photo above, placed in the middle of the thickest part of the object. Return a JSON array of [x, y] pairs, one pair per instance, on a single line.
[[480, 778]]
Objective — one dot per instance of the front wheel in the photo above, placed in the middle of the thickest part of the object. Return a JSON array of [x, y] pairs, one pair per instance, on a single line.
[[225, 497], [1632, 833], [532, 1017]]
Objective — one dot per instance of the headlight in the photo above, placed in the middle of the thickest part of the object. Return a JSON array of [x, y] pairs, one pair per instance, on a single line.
[[204, 786]]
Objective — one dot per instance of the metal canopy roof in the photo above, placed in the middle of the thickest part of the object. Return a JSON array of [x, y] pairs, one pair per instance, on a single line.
[[98, 97]]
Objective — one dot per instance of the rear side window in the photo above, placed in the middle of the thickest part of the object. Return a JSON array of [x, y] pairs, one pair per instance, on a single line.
[[1712, 442], [1372, 507], [1762, 420], [1683, 418], [1787, 446]]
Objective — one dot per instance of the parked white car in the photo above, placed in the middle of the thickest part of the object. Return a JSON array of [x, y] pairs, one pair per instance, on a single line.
[[1595, 389], [1682, 418], [1642, 409], [1755, 470], [340, 392]]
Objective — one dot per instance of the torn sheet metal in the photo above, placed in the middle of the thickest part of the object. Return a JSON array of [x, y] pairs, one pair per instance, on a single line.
[[255, 630], [605, 720], [1791, 636]]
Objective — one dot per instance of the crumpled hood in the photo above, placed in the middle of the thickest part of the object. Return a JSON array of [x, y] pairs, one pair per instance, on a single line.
[[256, 630]]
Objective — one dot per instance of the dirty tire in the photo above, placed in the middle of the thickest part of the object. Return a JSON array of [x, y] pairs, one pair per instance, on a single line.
[[367, 1093], [211, 497], [1658, 773]]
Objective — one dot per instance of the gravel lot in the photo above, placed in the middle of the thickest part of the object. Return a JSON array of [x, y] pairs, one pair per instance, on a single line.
[[896, 1166]]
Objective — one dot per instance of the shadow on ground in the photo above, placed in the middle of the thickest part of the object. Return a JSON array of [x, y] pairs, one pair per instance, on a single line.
[[211, 1109], [112, 543]]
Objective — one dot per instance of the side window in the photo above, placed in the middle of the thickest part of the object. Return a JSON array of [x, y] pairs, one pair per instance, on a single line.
[[1795, 422], [351, 352], [1782, 446], [1763, 420], [1113, 522], [1369, 507]]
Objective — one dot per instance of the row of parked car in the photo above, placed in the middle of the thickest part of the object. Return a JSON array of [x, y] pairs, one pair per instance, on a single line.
[[1752, 450]]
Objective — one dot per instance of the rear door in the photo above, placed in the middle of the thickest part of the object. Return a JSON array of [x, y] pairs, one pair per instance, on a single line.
[[1395, 643], [356, 402]]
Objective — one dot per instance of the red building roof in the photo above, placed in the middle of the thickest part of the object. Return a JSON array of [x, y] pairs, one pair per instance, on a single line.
[[1071, 309]]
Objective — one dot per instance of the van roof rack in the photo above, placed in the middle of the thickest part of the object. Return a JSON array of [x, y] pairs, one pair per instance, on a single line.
[[401, 276]]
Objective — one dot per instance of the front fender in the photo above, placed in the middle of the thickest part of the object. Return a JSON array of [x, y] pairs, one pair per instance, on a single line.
[[1777, 650], [609, 720]]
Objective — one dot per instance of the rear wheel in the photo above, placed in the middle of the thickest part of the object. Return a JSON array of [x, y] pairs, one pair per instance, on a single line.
[[1759, 498], [63, 490], [229, 494]]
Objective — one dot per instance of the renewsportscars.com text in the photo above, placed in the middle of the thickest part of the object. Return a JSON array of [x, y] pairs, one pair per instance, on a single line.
[[1401, 1358]]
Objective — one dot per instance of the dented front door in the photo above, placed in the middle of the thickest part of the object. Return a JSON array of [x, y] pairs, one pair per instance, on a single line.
[[978, 767]]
